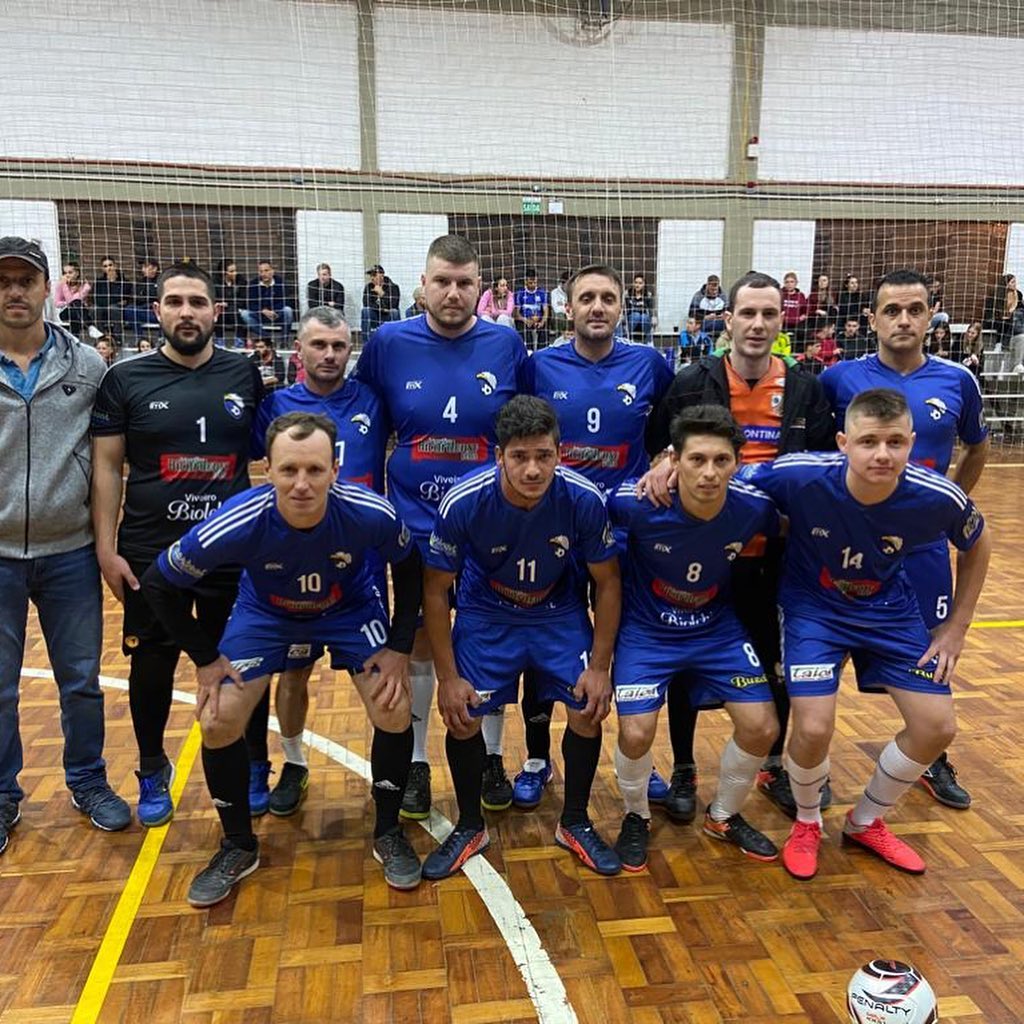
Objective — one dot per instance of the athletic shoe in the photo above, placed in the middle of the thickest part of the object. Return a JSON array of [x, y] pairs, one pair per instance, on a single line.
[[496, 793], [104, 808], [800, 851], [230, 864], [528, 786], [631, 846], [681, 802], [657, 788], [416, 798], [461, 844], [155, 806], [584, 841], [773, 781], [736, 830], [291, 789], [10, 815], [395, 854], [877, 838], [940, 781], [259, 788]]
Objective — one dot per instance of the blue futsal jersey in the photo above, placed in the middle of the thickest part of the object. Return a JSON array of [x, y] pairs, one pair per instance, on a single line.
[[846, 556], [442, 396], [290, 573], [514, 564], [358, 414], [677, 569], [601, 407]]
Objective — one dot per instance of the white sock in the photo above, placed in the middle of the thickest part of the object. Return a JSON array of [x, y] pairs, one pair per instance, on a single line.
[[493, 727], [294, 751], [894, 774], [421, 678], [806, 784], [736, 773], [633, 776]]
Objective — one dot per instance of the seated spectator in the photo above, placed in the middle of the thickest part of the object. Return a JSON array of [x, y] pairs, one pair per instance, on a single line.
[[708, 306], [419, 305], [693, 342], [145, 345], [71, 299], [498, 304], [232, 297], [853, 303], [381, 302], [794, 306], [531, 312], [973, 346], [1004, 312], [638, 306], [111, 296], [266, 306], [821, 303], [935, 302], [295, 371], [829, 351], [269, 363], [559, 320], [106, 345], [323, 290], [810, 359], [140, 313], [853, 341], [939, 342]]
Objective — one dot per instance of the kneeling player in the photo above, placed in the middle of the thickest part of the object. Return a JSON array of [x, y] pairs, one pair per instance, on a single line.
[[853, 518], [307, 584], [676, 618], [517, 535]]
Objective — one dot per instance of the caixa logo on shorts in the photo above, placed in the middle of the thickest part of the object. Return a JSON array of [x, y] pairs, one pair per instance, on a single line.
[[638, 691]]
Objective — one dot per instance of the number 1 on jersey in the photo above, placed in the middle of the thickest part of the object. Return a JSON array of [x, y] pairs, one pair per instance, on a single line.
[[201, 423]]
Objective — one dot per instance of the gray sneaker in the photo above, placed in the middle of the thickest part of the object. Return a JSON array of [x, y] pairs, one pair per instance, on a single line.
[[10, 815], [230, 864], [401, 865], [104, 808]]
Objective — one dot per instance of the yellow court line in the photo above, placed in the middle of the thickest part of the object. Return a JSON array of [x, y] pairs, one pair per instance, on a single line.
[[98, 983], [998, 624]]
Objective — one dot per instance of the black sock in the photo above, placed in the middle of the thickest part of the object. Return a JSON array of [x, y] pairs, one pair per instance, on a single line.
[[390, 757], [780, 695], [536, 719], [580, 755], [150, 682], [256, 729], [682, 722], [466, 759], [227, 778]]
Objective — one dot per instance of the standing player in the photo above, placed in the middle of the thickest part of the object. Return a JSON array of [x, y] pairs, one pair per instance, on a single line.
[[324, 346], [679, 629], [442, 378], [853, 517], [516, 534], [307, 584], [945, 403], [181, 418]]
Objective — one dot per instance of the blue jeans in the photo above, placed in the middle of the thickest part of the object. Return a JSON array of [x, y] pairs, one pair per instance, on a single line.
[[370, 319], [639, 321], [65, 589], [256, 325]]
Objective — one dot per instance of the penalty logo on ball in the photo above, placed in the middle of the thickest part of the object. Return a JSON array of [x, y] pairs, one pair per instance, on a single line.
[[885, 991]]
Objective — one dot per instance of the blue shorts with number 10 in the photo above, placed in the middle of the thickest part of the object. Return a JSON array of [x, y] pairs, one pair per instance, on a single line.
[[718, 666]]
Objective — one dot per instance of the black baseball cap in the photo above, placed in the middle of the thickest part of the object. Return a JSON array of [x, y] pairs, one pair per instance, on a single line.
[[375, 269], [14, 248]]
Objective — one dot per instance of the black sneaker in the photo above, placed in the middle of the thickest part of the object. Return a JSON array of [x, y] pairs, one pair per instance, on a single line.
[[416, 798], [735, 830], [230, 864], [10, 815], [496, 794], [631, 846], [105, 809], [290, 791], [940, 781], [395, 854], [773, 781], [681, 802]]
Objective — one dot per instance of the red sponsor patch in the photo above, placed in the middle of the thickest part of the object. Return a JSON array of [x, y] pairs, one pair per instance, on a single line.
[[684, 598], [579, 453], [311, 606], [849, 588], [181, 466], [449, 449], [366, 480], [523, 598]]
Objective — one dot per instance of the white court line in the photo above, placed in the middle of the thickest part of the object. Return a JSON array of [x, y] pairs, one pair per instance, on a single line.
[[543, 984]]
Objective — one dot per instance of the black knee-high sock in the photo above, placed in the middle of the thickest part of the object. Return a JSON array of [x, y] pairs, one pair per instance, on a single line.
[[580, 754], [227, 778], [390, 757], [466, 759], [536, 719], [150, 682], [682, 723], [256, 729], [780, 695]]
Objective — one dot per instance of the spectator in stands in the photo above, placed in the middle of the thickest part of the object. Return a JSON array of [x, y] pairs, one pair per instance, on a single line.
[[269, 363], [821, 303], [145, 345], [794, 306], [852, 302], [381, 302], [939, 342], [106, 345], [693, 342], [111, 296], [419, 306], [638, 307], [810, 359], [973, 346], [531, 311], [266, 305], [935, 302], [1004, 314], [853, 341], [323, 290], [708, 306], [140, 313], [559, 320], [829, 351], [71, 299], [498, 304], [232, 296]]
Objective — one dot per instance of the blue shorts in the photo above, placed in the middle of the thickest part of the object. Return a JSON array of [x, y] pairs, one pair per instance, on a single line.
[[885, 654], [717, 667], [258, 643], [491, 655], [931, 577]]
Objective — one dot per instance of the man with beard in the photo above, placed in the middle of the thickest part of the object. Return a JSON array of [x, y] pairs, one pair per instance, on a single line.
[[181, 418]]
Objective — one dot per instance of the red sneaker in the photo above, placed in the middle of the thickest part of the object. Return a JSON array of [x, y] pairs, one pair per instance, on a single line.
[[878, 839], [800, 851]]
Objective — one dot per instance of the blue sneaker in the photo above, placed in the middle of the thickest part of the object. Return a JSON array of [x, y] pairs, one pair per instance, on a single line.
[[657, 788], [259, 788], [583, 840], [155, 806], [461, 844], [528, 786]]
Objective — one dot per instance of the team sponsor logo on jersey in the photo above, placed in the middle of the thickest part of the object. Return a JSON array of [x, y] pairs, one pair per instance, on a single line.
[[340, 559], [244, 664], [764, 433], [972, 523], [635, 692], [937, 408], [732, 550], [523, 598], [488, 382], [449, 449], [665, 549], [628, 392], [362, 422], [499, 549], [775, 401], [179, 562], [273, 567], [684, 598], [891, 545], [811, 673], [186, 466], [414, 385], [299, 650], [307, 606], [159, 406], [742, 682], [852, 589], [597, 456], [560, 544], [820, 531], [442, 547], [234, 404]]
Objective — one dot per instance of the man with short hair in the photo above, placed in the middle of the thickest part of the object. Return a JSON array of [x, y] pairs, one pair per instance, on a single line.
[[267, 310], [269, 364], [381, 302], [48, 382], [303, 541], [323, 290], [708, 306], [140, 314], [531, 312], [853, 341]]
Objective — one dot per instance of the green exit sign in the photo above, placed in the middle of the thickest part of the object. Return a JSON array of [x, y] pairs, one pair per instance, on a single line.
[[531, 205]]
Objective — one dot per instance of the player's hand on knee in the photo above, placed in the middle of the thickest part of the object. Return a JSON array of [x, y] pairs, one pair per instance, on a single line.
[[595, 688], [658, 483], [389, 672], [209, 679], [947, 644], [117, 573], [454, 699]]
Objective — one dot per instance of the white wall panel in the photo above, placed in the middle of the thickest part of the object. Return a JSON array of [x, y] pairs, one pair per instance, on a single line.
[[688, 250], [37, 221], [783, 245], [1013, 263], [334, 237], [404, 240]]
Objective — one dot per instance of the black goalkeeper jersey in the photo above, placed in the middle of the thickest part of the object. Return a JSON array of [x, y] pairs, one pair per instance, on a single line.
[[186, 437]]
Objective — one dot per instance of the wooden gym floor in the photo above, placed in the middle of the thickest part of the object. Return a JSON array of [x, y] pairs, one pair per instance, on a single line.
[[95, 927]]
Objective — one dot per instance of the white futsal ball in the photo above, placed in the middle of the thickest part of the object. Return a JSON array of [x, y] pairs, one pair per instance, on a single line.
[[886, 991]]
